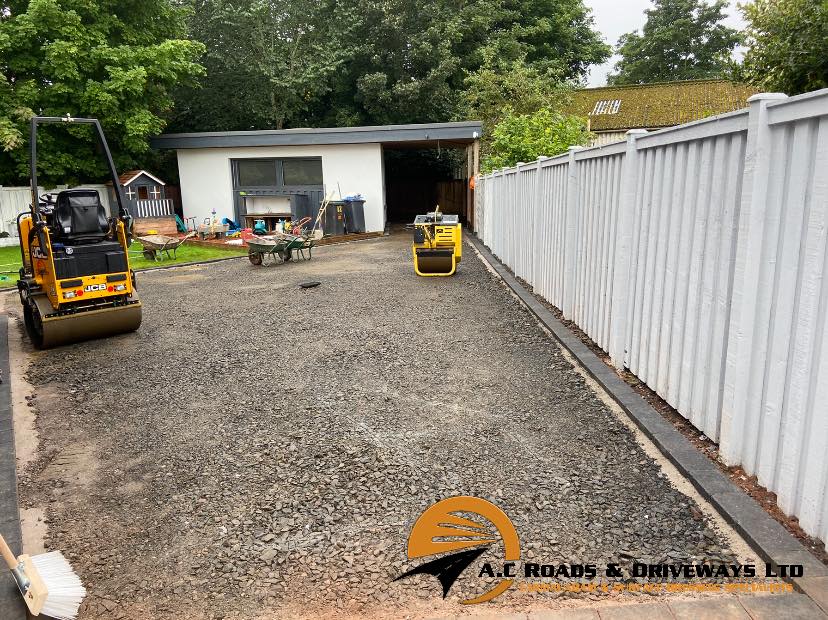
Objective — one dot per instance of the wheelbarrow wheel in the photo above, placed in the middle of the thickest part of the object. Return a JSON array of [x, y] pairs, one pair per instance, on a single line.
[[286, 255], [255, 258], [149, 254]]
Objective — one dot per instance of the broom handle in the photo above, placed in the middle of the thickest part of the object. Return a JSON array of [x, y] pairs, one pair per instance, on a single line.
[[7, 554]]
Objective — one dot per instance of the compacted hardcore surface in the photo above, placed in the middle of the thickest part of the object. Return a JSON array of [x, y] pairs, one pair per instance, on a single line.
[[259, 450]]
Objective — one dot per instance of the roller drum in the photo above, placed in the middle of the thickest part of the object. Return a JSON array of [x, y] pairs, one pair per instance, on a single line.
[[47, 332], [435, 262]]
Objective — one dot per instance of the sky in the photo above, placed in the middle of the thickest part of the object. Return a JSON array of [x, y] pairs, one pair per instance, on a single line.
[[616, 17]]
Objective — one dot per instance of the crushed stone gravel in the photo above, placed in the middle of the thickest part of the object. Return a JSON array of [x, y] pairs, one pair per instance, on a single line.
[[259, 450]]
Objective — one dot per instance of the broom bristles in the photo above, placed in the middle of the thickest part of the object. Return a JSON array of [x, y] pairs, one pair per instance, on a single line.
[[65, 590]]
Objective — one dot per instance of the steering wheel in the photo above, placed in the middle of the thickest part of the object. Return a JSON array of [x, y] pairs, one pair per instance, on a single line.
[[47, 201]]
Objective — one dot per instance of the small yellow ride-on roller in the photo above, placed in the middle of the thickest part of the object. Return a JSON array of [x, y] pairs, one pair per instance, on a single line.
[[438, 244], [76, 282]]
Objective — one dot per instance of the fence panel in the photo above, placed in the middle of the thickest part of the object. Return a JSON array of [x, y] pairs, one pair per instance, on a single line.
[[15, 200], [682, 258], [598, 191], [551, 228], [775, 416], [697, 257]]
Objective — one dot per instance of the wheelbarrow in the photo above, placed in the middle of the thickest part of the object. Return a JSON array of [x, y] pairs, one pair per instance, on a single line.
[[281, 248], [155, 246]]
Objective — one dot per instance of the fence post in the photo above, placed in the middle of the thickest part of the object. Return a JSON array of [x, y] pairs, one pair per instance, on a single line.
[[537, 227], [571, 234], [480, 215], [746, 349], [619, 309], [495, 227]]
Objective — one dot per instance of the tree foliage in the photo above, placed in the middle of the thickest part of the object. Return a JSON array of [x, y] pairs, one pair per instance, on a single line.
[[113, 60], [787, 44], [286, 63], [681, 40], [273, 64], [517, 88], [267, 63], [498, 90], [525, 137]]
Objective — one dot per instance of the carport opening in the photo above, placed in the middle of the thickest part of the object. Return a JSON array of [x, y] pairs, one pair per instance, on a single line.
[[418, 179]]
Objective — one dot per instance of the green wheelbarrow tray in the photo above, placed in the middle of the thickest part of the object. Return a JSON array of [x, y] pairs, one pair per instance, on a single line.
[[281, 248], [155, 246]]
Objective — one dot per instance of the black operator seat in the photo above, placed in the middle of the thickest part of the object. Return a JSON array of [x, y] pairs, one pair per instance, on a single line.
[[80, 217]]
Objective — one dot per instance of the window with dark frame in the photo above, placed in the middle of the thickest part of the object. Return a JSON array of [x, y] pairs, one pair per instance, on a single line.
[[278, 172], [302, 171], [256, 173]]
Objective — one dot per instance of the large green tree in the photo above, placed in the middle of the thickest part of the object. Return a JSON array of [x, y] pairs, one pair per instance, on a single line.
[[115, 60], [787, 43], [681, 40], [283, 63], [267, 63]]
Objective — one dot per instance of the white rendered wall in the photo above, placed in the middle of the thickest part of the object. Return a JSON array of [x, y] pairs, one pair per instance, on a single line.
[[207, 184]]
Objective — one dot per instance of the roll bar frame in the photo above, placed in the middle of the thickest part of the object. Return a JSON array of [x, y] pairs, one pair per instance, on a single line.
[[42, 120]]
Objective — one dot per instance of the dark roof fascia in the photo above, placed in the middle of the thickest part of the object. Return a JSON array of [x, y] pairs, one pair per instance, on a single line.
[[386, 134]]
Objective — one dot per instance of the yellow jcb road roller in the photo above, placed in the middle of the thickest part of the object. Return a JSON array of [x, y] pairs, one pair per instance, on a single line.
[[76, 282], [438, 244]]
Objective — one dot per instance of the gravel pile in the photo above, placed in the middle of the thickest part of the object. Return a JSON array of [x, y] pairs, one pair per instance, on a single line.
[[261, 450]]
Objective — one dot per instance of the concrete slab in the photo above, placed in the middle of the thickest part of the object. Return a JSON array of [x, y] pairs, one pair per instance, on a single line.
[[565, 614], [816, 588], [781, 607], [709, 609], [650, 611]]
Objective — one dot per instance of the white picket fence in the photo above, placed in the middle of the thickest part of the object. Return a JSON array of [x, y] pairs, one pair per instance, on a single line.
[[154, 208], [696, 256]]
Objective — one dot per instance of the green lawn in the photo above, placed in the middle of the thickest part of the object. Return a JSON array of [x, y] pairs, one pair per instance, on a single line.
[[10, 259], [9, 266], [187, 253]]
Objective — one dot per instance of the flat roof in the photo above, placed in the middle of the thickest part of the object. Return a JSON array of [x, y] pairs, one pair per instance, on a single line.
[[424, 135]]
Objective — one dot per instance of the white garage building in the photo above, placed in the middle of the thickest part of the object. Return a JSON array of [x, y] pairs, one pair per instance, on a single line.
[[241, 174]]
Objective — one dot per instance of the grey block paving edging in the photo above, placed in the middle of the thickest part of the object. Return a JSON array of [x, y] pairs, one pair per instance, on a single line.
[[11, 603], [765, 535]]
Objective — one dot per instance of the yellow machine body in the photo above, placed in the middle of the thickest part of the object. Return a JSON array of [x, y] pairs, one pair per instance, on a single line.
[[438, 244], [91, 287], [76, 282], [64, 310]]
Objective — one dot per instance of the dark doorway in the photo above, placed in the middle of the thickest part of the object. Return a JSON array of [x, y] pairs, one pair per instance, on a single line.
[[416, 180]]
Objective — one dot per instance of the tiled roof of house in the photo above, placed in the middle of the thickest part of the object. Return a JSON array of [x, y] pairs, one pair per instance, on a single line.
[[663, 104], [128, 177]]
